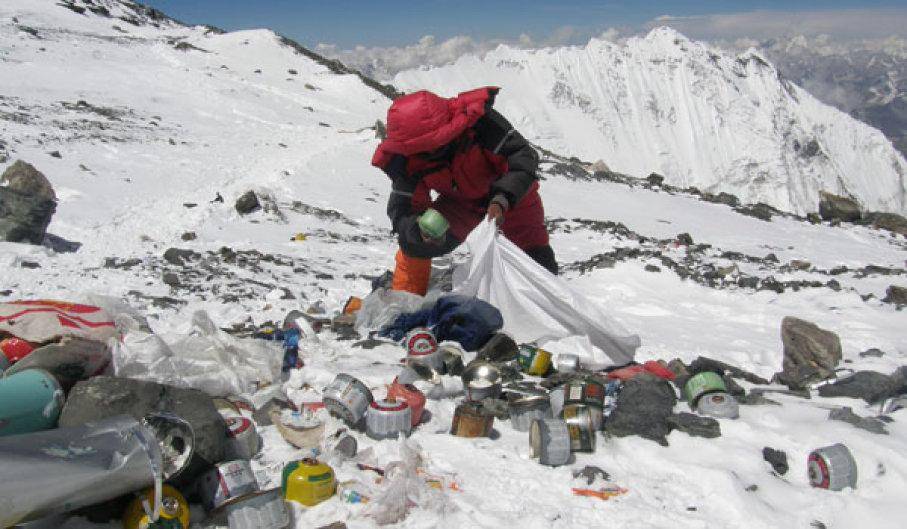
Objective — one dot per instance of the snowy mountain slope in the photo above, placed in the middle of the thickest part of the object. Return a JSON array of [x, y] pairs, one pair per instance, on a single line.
[[696, 115], [235, 130]]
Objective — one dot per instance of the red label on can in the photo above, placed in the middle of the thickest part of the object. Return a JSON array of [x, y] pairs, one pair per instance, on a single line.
[[238, 425]]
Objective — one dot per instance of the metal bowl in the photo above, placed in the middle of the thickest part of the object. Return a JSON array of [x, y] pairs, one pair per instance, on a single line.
[[176, 439], [481, 380]]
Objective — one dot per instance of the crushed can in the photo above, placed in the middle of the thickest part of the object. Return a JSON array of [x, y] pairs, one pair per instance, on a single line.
[[30, 401], [534, 360], [550, 442], [581, 427], [718, 404], [702, 384], [348, 398], [524, 409], [422, 347], [412, 396], [387, 419], [308, 482], [174, 511], [259, 510], [470, 420], [832, 467], [226, 483]]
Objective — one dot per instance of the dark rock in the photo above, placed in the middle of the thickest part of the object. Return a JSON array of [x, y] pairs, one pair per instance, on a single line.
[[887, 221], [123, 264], [813, 218], [24, 178], [652, 268], [797, 264], [643, 407], [877, 353], [55, 154], [695, 425], [704, 363], [770, 258], [103, 397], [380, 130], [171, 279], [896, 295], [218, 199], [189, 236], [29, 264], [23, 217], [847, 415], [870, 386], [838, 270], [752, 488], [685, 238], [770, 283], [810, 353], [760, 211], [591, 473], [247, 203], [655, 179], [291, 71], [722, 198], [748, 282], [178, 257], [499, 348], [834, 207], [733, 388], [777, 459], [834, 285], [755, 398]]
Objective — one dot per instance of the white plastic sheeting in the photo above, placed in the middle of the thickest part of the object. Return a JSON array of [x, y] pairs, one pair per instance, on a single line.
[[538, 306]]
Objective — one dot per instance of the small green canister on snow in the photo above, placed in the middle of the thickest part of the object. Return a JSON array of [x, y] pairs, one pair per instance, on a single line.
[[433, 224], [701, 384]]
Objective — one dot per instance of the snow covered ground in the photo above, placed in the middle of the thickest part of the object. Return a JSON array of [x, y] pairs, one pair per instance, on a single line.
[[128, 192]]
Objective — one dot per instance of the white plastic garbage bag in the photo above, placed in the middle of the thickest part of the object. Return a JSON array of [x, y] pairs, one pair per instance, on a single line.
[[205, 358], [538, 306]]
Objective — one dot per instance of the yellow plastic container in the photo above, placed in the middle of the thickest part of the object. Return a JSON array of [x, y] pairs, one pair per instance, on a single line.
[[308, 482], [174, 511]]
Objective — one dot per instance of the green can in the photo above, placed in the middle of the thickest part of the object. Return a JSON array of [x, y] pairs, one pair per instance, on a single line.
[[701, 384], [433, 224], [30, 401]]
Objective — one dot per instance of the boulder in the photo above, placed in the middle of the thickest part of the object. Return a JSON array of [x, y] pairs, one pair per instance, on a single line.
[[27, 204], [810, 353], [695, 425], [247, 203], [643, 407], [704, 363], [835, 207], [759, 210], [655, 179], [870, 386], [896, 295], [103, 397], [887, 221], [777, 459]]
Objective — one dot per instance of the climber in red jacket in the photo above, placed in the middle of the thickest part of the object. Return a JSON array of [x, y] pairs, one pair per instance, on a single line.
[[479, 166]]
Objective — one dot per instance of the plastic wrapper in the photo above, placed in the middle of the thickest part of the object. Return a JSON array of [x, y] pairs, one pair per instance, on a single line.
[[538, 306], [205, 358], [383, 306]]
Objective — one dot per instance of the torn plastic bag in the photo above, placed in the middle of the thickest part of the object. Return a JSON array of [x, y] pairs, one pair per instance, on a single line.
[[57, 471], [40, 321], [205, 358], [383, 306], [538, 306]]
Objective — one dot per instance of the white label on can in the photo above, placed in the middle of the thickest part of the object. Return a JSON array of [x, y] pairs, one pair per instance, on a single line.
[[576, 392]]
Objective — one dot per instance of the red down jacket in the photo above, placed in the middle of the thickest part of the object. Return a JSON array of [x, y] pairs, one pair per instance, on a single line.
[[475, 157]]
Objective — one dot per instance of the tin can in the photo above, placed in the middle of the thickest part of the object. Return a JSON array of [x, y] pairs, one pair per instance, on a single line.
[[534, 360], [566, 363], [550, 442], [174, 511], [422, 347], [587, 392], [387, 419], [225, 483], [470, 420], [701, 384], [260, 510], [581, 427], [348, 398], [30, 401], [524, 409], [308, 482], [341, 443], [832, 467], [718, 404], [243, 440], [412, 396]]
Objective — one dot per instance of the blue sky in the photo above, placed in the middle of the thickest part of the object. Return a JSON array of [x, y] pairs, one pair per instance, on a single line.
[[348, 23]]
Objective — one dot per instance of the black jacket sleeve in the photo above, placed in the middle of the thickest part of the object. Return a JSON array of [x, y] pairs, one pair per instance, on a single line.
[[496, 134]]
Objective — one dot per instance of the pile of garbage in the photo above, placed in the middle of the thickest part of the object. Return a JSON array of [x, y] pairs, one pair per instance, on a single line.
[[103, 418]]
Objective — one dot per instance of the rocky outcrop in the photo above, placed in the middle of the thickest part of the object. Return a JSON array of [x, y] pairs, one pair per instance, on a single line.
[[27, 204], [810, 353], [835, 207]]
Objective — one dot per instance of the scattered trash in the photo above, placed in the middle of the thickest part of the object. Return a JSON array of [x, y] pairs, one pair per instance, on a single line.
[[300, 428], [525, 408], [433, 224], [174, 511], [44, 321], [466, 320], [388, 418], [30, 401], [604, 494], [225, 483], [410, 394], [261, 510], [482, 380], [701, 384], [588, 394], [308, 482], [57, 471], [718, 404], [534, 361], [591, 473], [470, 420], [581, 426], [244, 441], [69, 361], [832, 467], [651, 366], [550, 441], [348, 398], [352, 491], [176, 441]]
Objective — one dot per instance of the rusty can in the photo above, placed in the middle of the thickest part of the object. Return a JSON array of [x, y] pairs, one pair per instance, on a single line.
[[226, 483], [470, 420], [580, 426], [348, 398]]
